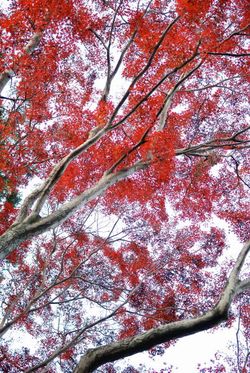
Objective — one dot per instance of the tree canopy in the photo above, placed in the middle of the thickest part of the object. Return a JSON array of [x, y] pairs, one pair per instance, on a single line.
[[124, 163]]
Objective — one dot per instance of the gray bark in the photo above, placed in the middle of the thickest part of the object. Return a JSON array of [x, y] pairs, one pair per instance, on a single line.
[[34, 225], [29, 224], [97, 357]]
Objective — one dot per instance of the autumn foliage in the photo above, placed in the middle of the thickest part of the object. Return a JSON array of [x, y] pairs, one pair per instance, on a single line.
[[127, 120]]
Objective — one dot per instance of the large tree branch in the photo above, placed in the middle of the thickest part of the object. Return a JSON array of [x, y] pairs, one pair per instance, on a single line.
[[61, 167], [34, 225], [40, 195], [95, 358], [29, 225]]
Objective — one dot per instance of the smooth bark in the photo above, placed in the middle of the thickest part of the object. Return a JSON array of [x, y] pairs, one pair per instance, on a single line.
[[97, 357], [30, 224]]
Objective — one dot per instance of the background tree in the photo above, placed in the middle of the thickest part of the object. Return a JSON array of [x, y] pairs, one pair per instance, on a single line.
[[132, 176]]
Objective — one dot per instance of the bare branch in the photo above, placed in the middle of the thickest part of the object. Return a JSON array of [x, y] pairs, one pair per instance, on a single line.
[[212, 85], [98, 37], [238, 173], [235, 55], [79, 334], [111, 76]]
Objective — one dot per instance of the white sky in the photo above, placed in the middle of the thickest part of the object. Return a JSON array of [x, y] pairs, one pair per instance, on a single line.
[[188, 352], [185, 355]]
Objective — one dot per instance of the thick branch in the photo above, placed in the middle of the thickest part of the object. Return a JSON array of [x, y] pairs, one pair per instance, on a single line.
[[30, 225], [97, 357], [111, 76], [34, 225], [61, 167]]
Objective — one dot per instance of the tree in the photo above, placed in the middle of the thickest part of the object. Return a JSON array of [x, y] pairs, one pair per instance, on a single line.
[[161, 149]]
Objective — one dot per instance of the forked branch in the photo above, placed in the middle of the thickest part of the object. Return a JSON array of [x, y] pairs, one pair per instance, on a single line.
[[34, 225], [29, 225]]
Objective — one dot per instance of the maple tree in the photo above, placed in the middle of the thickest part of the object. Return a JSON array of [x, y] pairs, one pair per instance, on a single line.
[[133, 117]]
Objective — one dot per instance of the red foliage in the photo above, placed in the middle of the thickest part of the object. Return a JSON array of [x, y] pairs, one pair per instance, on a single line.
[[174, 110]]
